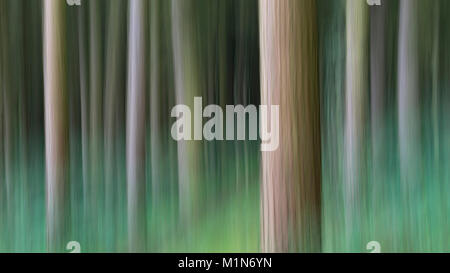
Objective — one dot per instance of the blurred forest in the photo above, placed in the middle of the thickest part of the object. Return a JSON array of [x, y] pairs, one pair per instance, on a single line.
[[86, 152]]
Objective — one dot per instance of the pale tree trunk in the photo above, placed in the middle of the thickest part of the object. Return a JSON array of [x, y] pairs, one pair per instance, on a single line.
[[136, 125], [356, 117], [409, 124], [290, 192], [56, 126], [408, 95]]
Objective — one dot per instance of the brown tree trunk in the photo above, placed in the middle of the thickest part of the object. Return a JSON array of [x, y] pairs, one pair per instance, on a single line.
[[290, 190], [56, 125]]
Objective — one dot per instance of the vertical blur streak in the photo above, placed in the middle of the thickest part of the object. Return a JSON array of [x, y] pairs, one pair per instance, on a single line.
[[83, 55], [96, 117], [356, 119], [430, 148], [86, 154], [409, 111], [7, 127], [408, 93], [75, 145], [186, 88], [18, 106], [291, 175], [177, 41], [114, 110], [3, 211], [444, 123], [14, 118], [136, 124], [332, 47], [156, 143], [56, 127], [435, 83], [378, 90], [378, 111]]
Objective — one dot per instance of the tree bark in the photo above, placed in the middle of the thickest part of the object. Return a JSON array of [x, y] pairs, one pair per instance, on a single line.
[[56, 125], [290, 190]]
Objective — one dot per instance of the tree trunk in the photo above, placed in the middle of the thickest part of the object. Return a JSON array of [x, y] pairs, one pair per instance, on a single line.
[[356, 118], [136, 125], [156, 144], [96, 118], [56, 125], [378, 93], [114, 108], [187, 87], [84, 115], [409, 116], [291, 175]]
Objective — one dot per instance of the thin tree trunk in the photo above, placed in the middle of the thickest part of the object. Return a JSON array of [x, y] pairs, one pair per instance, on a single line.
[[409, 124], [378, 90], [115, 63], [84, 113], [73, 94], [409, 117], [291, 174], [156, 145], [356, 105], [408, 94], [435, 86], [378, 106], [186, 88], [56, 125], [136, 126], [96, 117]]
